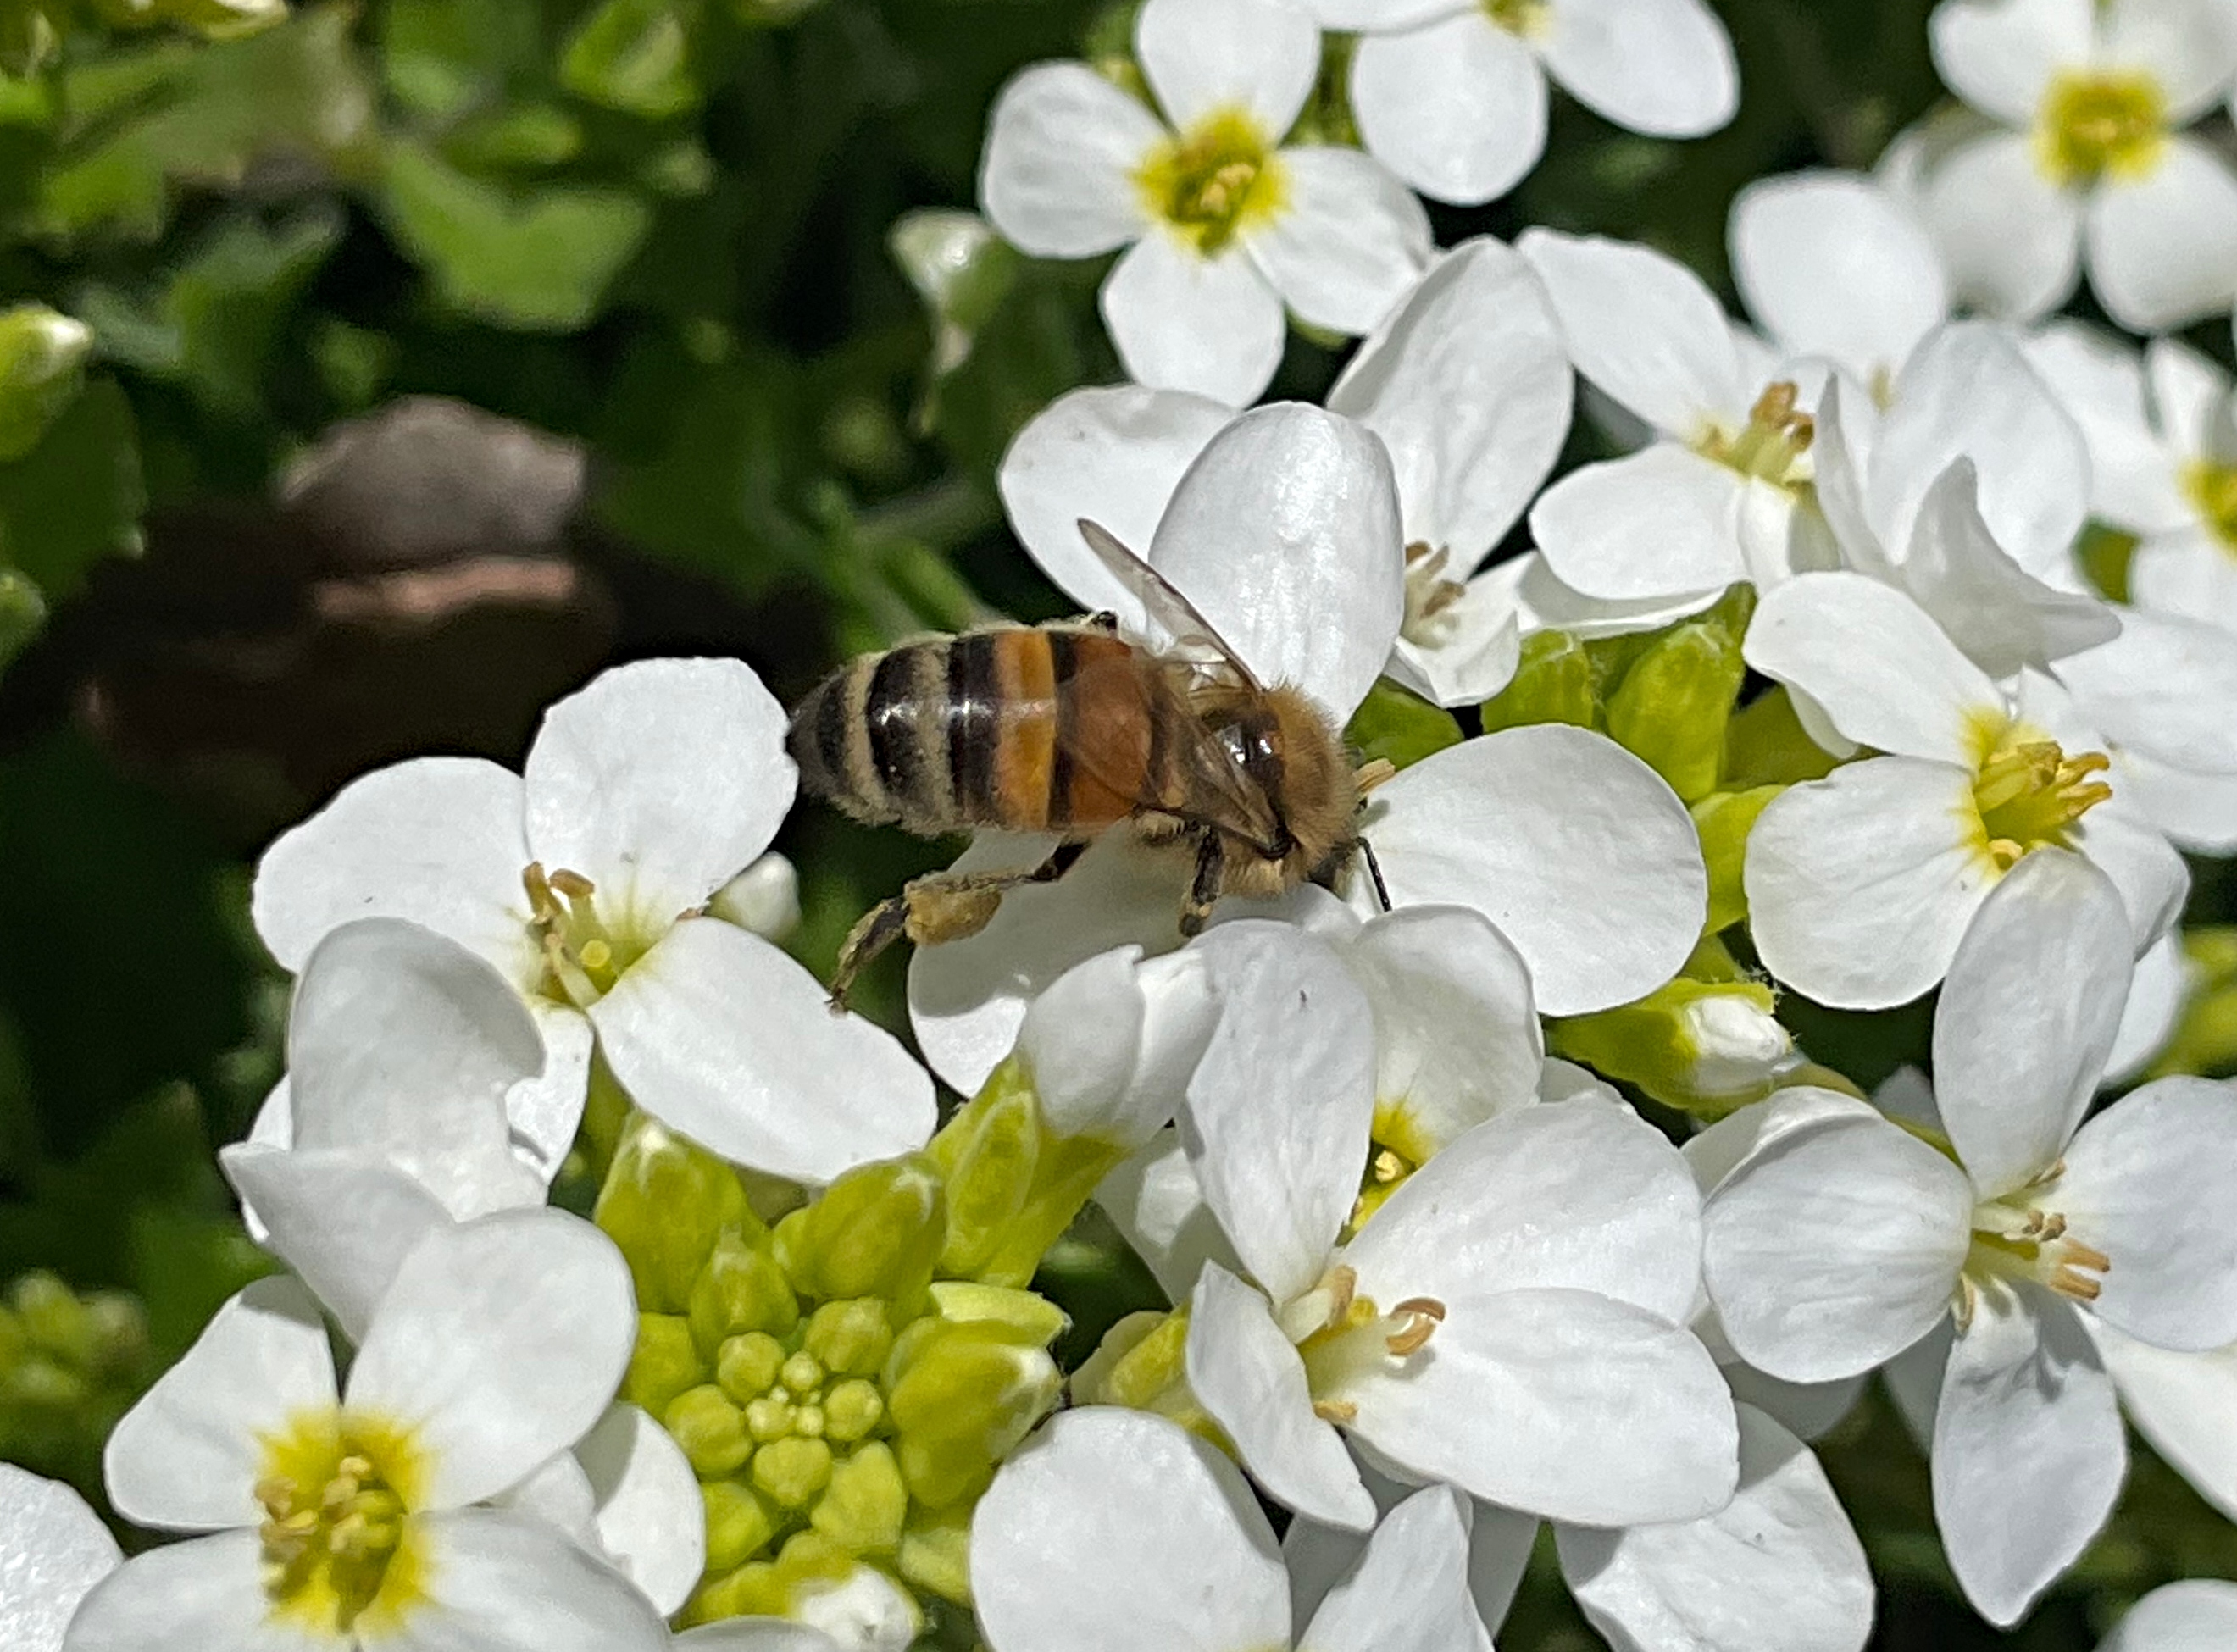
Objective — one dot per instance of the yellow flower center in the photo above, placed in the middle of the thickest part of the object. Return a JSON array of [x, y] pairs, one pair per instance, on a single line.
[[2213, 488], [337, 1490], [1339, 1334], [2014, 1238], [1213, 179], [2028, 793], [1773, 444], [583, 955], [2092, 125], [1528, 18]]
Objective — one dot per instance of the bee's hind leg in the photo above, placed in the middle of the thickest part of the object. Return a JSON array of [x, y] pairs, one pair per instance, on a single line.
[[939, 907], [1204, 888]]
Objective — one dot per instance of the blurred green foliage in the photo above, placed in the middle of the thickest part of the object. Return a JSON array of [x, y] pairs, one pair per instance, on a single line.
[[688, 240]]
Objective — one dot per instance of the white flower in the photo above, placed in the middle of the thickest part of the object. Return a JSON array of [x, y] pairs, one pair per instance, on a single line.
[[627, 1494], [1284, 532], [2181, 1402], [1224, 227], [1860, 884], [2083, 157], [1466, 384], [1509, 1319], [1450, 94], [1719, 494], [583, 882], [2198, 1614], [1835, 264], [1840, 1239], [1114, 1530], [53, 1548], [353, 1517]]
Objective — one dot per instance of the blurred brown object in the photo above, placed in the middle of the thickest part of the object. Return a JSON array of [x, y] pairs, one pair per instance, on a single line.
[[418, 584]]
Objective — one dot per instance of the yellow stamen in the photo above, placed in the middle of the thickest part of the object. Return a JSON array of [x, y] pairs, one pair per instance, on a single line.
[[2092, 125], [2027, 794], [1335, 1411], [1420, 1316], [1213, 179], [1772, 446], [2213, 488]]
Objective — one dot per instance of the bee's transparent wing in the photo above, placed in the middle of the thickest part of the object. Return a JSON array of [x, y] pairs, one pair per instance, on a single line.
[[1163, 602]]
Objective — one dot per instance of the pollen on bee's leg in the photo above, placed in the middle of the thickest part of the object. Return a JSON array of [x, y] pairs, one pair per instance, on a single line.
[[1369, 775], [1420, 1316]]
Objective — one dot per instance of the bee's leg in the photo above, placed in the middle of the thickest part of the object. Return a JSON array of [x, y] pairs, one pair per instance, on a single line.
[[1103, 620], [939, 907], [1374, 872], [1204, 888]]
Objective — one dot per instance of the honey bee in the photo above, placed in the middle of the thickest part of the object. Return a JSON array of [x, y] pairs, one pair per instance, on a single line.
[[1070, 728]]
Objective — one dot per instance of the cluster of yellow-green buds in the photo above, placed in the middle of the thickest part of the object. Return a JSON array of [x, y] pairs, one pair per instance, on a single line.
[[70, 1366], [31, 31], [846, 1380]]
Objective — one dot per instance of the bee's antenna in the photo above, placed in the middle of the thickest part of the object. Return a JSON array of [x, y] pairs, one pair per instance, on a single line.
[[1375, 871]]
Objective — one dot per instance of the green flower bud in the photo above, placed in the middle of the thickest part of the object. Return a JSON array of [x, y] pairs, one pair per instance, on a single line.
[[987, 1154], [966, 1396], [851, 1338], [1556, 683], [1766, 745], [863, 1507], [803, 1373], [741, 1289], [55, 1320], [1707, 1047], [960, 268], [711, 1430], [2205, 1037], [42, 370], [877, 1231], [936, 1553], [768, 1419], [1399, 728], [1723, 819], [791, 1472], [665, 1202], [752, 1590], [1673, 705], [852, 1409], [747, 1365], [665, 1363], [1141, 1360], [958, 1300], [739, 1521]]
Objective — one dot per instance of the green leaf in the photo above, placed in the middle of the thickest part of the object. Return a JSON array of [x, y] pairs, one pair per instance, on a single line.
[[536, 259], [635, 56], [42, 370], [445, 58], [76, 496]]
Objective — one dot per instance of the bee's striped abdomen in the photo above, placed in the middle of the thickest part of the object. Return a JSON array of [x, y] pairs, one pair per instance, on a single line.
[[1031, 729]]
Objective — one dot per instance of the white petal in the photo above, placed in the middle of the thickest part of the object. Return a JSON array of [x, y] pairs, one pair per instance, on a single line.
[[2197, 1614], [1859, 885], [1835, 1247], [543, 1112], [343, 1221], [1967, 392], [1111, 1045], [1183, 321], [1350, 241], [1456, 107], [1468, 649], [2099, 381], [2143, 865], [720, 1035], [496, 1582], [2026, 1017], [57, 1549], [1158, 1206], [1157, 1536], [1778, 1570], [1284, 533], [1112, 454], [2189, 397], [967, 998], [499, 1343], [1246, 1375], [1878, 665], [2150, 1183], [2189, 574], [1656, 524], [207, 1595], [2182, 1403], [187, 1457], [2158, 993], [1456, 1031], [402, 1044], [2029, 1454], [1999, 56], [659, 782], [1739, 1137], [756, 1634], [437, 841], [1914, 1381], [1661, 67], [2188, 51], [1573, 848], [1575, 1195], [1469, 388], [1062, 145], [1832, 264], [1562, 1403], [2165, 686], [2164, 248], [2010, 238], [1544, 603], [1643, 327], [651, 1517], [2198, 813], [1808, 1410], [1201, 57], [1380, 17], [1277, 1113], [1419, 1555]]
